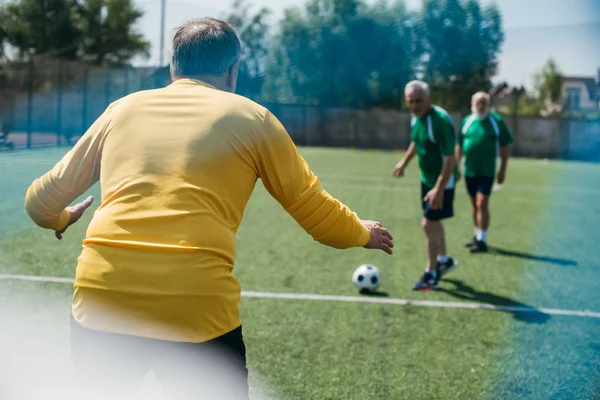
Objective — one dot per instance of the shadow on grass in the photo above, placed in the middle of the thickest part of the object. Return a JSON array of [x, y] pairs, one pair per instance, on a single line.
[[365, 292], [520, 311], [527, 256]]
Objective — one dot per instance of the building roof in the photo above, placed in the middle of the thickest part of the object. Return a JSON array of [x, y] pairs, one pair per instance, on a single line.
[[590, 83]]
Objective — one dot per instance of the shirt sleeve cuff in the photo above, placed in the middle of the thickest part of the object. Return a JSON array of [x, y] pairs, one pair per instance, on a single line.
[[62, 222], [365, 236]]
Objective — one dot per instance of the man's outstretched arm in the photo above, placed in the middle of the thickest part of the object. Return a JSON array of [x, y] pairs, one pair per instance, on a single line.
[[288, 178], [403, 163], [49, 196]]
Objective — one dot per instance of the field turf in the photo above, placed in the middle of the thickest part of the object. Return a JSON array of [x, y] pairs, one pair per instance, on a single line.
[[545, 255]]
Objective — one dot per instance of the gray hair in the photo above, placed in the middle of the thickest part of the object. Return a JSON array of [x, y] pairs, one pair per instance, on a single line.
[[418, 84], [479, 95], [205, 46]]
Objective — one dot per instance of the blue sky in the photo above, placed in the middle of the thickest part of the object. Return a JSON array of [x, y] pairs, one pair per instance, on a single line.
[[567, 30]]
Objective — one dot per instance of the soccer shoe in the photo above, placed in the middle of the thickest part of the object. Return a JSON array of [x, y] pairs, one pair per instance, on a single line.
[[427, 282], [471, 242], [444, 267], [479, 247]]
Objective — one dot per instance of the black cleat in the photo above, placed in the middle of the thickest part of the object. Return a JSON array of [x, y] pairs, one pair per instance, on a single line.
[[427, 282], [479, 247], [471, 242], [444, 267]]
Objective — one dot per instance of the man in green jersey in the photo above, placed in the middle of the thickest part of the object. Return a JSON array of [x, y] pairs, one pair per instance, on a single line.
[[433, 141], [483, 135]]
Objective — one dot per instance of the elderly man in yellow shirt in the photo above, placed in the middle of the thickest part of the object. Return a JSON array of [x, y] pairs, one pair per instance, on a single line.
[[176, 167]]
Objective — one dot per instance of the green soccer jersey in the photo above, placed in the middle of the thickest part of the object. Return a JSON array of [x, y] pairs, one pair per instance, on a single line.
[[434, 139], [480, 141]]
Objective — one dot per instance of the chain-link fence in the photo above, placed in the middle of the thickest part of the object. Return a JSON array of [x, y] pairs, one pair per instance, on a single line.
[[53, 102], [49, 102]]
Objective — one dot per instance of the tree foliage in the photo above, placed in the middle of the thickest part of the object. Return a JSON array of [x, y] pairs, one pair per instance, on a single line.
[[328, 52], [460, 44], [348, 52], [546, 97], [548, 83], [97, 31], [253, 30], [341, 52], [107, 31]]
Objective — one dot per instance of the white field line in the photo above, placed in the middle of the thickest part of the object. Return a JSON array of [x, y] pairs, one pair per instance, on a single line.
[[357, 299]]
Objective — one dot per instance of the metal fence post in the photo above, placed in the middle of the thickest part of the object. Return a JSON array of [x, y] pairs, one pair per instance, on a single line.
[[107, 87], [59, 106], [30, 102], [84, 101], [305, 123], [126, 84]]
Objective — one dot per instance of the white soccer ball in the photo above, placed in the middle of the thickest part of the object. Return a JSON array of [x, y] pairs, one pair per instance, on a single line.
[[366, 277]]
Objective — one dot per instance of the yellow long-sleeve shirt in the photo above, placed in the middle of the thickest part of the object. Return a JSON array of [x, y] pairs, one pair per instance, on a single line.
[[176, 167]]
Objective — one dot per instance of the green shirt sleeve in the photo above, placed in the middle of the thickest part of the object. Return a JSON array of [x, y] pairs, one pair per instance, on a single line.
[[505, 136], [460, 132], [443, 132]]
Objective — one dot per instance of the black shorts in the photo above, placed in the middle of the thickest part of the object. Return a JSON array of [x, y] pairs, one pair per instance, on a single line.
[[112, 366], [479, 184], [447, 210]]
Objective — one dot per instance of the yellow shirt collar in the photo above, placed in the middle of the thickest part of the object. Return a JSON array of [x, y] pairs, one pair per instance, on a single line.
[[191, 81]]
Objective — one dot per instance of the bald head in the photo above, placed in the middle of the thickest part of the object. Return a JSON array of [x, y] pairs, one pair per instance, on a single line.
[[480, 104]]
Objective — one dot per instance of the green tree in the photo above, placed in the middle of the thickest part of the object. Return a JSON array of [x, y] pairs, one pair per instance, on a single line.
[[544, 99], [522, 103], [3, 40], [340, 52], [253, 30], [35, 27], [459, 44], [96, 31], [107, 29], [548, 87]]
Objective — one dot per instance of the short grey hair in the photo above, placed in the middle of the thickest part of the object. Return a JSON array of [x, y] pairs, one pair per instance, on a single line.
[[418, 84], [205, 46], [479, 95]]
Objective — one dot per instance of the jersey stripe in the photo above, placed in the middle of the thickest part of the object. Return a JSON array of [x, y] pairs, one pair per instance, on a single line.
[[446, 113], [430, 129], [468, 124], [495, 126]]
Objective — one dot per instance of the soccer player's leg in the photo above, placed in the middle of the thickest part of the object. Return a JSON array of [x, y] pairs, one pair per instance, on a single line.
[[429, 279], [435, 240], [445, 263], [471, 185], [106, 365], [484, 191], [214, 370]]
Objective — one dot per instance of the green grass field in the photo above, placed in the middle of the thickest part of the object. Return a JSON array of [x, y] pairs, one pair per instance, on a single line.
[[547, 245]]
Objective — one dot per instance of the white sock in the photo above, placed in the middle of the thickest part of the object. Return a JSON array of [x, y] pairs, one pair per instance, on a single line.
[[443, 258], [483, 236], [477, 232]]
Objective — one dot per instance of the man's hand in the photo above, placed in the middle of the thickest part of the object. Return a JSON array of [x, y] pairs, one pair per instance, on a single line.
[[399, 169], [380, 237], [435, 197], [76, 212], [501, 176]]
